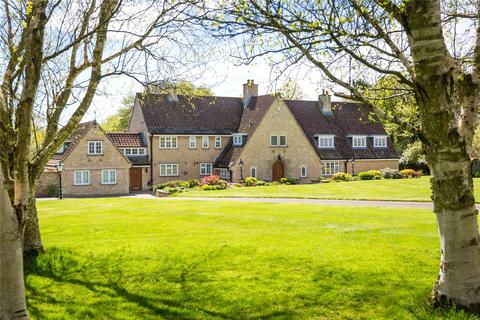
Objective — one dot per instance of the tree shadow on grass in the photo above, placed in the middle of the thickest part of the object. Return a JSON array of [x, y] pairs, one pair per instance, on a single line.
[[81, 288]]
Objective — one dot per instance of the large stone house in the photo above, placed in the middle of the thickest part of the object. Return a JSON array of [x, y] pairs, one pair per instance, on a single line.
[[262, 136], [178, 137]]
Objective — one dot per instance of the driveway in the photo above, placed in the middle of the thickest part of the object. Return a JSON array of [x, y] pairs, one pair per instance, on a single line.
[[360, 203]]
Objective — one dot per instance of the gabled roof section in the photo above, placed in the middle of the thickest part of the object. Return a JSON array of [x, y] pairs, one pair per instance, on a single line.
[[347, 118], [127, 139], [252, 116], [190, 114], [74, 139]]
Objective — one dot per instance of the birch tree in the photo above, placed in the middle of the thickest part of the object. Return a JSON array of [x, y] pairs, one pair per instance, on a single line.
[[430, 47], [54, 55]]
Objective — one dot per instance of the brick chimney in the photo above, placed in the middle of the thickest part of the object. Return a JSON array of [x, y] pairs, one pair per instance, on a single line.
[[325, 102], [250, 89]]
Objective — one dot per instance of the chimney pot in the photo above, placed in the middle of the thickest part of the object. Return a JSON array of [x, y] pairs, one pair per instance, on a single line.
[[250, 89], [325, 102]]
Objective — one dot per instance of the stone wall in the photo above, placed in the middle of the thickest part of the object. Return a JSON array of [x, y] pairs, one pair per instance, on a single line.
[[46, 179]]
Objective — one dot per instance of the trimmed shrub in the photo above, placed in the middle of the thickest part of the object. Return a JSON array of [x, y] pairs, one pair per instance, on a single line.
[[289, 181], [342, 176], [250, 181], [370, 175], [208, 187], [214, 181], [389, 173], [261, 183], [408, 173], [210, 180]]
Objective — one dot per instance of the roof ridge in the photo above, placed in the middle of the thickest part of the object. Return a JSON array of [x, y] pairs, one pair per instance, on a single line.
[[188, 95]]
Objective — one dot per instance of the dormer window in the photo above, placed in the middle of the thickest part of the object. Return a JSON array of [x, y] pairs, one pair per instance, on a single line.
[[379, 141], [359, 141], [95, 147], [326, 141], [237, 140]]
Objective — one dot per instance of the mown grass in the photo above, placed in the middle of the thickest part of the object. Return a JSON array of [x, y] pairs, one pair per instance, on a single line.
[[148, 259], [394, 190]]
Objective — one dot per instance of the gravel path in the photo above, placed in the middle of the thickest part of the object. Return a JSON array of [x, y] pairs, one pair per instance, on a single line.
[[360, 203]]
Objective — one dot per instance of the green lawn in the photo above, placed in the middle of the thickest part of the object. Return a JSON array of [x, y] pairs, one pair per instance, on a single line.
[[399, 190], [148, 259]]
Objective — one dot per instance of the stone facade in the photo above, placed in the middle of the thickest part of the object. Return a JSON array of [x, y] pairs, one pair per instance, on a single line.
[[257, 152], [111, 158], [188, 159], [47, 180]]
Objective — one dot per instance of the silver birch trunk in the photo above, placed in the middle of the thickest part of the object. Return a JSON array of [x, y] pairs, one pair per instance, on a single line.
[[12, 287], [437, 88]]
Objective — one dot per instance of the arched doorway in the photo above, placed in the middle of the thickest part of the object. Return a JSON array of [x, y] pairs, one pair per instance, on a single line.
[[278, 170]]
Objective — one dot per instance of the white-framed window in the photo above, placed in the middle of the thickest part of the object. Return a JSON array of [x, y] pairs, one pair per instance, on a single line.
[[379, 141], [359, 141], [205, 142], [224, 174], [218, 142], [192, 142], [81, 177], [168, 142], [278, 141], [330, 167], [326, 141], [109, 176], [237, 140], [95, 147], [168, 169], [303, 172], [205, 169], [253, 172], [134, 151]]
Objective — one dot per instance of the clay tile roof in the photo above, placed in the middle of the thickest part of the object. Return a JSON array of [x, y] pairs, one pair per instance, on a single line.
[[127, 140], [348, 118], [190, 114], [74, 139]]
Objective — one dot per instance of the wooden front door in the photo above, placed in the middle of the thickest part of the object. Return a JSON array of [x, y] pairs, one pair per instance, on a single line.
[[135, 179], [278, 171]]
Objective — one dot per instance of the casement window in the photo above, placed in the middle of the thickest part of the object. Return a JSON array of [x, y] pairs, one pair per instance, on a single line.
[[95, 147], [379, 141], [205, 169], [359, 141], [237, 140], [81, 177], [218, 142], [205, 142], [109, 176], [326, 141], [134, 151], [224, 174], [168, 142], [278, 141], [192, 142], [303, 172], [253, 172], [168, 169], [330, 167]]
